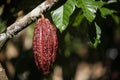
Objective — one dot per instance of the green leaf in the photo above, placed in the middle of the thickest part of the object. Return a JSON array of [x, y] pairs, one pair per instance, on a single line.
[[98, 35], [105, 11], [99, 4], [61, 15], [78, 3], [88, 7]]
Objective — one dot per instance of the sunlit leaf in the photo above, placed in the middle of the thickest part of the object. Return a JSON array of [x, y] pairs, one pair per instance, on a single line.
[[88, 7], [61, 15]]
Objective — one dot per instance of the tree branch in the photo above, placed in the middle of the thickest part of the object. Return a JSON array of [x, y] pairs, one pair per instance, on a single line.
[[2, 74], [25, 21]]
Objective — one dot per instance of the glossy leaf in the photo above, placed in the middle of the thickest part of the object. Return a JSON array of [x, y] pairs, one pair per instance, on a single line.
[[88, 7], [61, 15]]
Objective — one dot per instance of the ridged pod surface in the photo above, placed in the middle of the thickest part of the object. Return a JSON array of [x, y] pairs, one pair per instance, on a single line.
[[45, 44]]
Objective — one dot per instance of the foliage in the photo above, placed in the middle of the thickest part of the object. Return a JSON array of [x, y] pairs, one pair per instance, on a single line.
[[88, 9], [61, 15]]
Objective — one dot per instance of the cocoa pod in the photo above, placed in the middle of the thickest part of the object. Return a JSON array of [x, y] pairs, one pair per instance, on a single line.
[[45, 44]]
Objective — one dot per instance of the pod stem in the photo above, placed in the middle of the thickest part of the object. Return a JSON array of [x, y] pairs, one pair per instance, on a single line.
[[42, 16]]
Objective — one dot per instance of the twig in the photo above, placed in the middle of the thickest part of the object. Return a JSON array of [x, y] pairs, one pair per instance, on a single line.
[[2, 74], [25, 21]]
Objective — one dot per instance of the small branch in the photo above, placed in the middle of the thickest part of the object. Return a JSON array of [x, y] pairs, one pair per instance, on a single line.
[[2, 74], [25, 21]]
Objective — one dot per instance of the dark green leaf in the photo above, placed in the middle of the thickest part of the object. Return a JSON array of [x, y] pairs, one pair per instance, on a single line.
[[116, 19], [78, 19], [105, 11], [2, 26]]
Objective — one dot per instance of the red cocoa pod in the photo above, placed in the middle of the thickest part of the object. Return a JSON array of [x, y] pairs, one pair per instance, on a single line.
[[45, 44]]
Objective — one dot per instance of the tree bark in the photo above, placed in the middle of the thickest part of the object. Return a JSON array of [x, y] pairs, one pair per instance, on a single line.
[[25, 21], [3, 75]]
